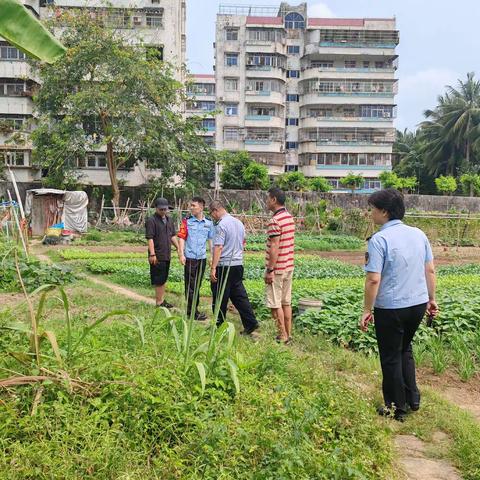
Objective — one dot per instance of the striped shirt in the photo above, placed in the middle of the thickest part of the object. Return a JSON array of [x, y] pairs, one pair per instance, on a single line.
[[282, 224]]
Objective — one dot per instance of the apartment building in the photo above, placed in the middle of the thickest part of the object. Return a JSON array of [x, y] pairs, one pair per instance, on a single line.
[[161, 25], [202, 102], [315, 95]]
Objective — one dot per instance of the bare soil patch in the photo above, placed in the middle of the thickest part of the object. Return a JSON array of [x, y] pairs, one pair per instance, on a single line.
[[465, 395]]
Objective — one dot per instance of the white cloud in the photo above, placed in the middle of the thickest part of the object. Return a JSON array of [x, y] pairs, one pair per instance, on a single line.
[[419, 91], [320, 10]]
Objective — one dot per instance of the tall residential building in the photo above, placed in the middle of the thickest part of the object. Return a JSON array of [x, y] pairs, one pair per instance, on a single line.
[[315, 95], [202, 102], [160, 24]]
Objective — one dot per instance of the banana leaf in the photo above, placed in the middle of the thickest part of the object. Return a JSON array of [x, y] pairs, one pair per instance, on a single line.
[[23, 30]]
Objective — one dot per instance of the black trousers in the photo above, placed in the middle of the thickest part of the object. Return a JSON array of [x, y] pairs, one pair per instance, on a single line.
[[235, 291], [395, 329], [193, 275]]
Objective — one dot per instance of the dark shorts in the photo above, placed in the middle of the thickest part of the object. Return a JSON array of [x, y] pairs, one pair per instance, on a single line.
[[159, 273]]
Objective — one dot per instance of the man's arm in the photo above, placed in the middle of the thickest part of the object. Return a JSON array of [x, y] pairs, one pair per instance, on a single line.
[[175, 242], [272, 258], [210, 249], [181, 250], [217, 253], [432, 307], [152, 258], [372, 283]]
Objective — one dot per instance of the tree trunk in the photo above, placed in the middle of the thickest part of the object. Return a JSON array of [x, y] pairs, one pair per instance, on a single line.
[[112, 171]]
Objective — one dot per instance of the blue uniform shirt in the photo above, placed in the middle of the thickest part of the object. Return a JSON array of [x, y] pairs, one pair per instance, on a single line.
[[230, 234], [399, 253], [199, 231]]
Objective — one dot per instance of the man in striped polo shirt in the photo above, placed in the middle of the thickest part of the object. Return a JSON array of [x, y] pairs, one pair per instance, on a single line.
[[279, 263]]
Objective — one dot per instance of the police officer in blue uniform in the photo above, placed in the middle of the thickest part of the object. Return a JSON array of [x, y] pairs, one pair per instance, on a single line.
[[400, 288], [195, 232]]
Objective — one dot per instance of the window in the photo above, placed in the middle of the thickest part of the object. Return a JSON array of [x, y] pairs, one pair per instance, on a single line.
[[10, 53], [14, 158], [379, 64], [11, 123], [291, 168], [155, 2], [231, 34], [231, 59], [293, 97], [258, 60], [291, 145], [201, 89], [349, 112], [96, 160], [231, 109], [230, 133], [350, 64], [293, 49], [262, 111], [154, 53], [205, 106], [321, 64], [154, 18], [291, 122], [294, 20], [116, 17], [208, 124], [231, 84], [366, 64], [12, 88], [264, 35], [293, 73]]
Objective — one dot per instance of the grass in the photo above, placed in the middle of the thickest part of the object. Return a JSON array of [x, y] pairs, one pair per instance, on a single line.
[[143, 418]]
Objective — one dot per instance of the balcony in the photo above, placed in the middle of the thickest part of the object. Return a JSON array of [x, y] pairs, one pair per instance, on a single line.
[[265, 71], [342, 122], [354, 73], [270, 121], [262, 96]]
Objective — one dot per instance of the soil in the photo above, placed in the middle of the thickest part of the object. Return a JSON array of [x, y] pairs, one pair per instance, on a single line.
[[417, 465], [465, 395], [443, 256], [8, 300]]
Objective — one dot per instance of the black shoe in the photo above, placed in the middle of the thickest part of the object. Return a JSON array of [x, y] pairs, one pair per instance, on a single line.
[[201, 317], [414, 407], [248, 332], [397, 415], [165, 304]]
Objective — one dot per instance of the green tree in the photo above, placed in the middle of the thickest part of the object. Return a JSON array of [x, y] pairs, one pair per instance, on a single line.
[[292, 181], [446, 185], [451, 132], [407, 184], [352, 181], [233, 165], [255, 176], [389, 179], [320, 184], [105, 96], [470, 183], [408, 160]]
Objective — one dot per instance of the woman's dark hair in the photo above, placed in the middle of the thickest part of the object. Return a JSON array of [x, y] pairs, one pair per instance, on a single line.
[[199, 200], [391, 201]]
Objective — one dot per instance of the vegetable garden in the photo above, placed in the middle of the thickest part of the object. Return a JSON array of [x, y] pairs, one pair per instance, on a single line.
[[129, 392]]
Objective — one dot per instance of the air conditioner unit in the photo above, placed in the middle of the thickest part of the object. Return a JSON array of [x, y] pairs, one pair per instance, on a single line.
[[248, 88], [137, 21], [220, 99]]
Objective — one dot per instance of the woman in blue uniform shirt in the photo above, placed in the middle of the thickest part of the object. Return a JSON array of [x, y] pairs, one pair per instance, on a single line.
[[400, 288]]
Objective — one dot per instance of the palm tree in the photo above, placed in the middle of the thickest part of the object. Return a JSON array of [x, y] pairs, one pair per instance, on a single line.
[[451, 132]]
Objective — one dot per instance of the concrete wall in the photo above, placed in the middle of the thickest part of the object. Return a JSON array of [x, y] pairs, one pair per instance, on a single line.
[[424, 203]]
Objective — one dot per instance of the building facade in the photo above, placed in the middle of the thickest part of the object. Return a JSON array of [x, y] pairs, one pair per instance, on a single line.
[[161, 25], [315, 95], [202, 102]]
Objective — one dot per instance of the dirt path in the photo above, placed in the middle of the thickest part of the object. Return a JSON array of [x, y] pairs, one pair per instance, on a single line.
[[465, 395], [125, 292], [417, 465]]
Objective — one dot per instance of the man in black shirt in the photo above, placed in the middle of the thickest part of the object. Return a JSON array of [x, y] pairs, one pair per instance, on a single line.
[[161, 234]]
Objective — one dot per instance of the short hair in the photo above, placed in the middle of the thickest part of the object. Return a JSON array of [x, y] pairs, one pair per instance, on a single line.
[[198, 200], [278, 194], [215, 205], [391, 201]]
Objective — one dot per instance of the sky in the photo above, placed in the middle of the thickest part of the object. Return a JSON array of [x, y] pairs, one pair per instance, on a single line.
[[439, 42]]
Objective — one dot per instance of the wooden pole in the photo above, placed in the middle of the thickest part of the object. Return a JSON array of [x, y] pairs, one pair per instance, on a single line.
[[18, 224]]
